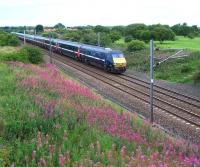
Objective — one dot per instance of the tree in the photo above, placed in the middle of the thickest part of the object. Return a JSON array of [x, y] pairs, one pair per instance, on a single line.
[[145, 35], [114, 35], [74, 35], [100, 28], [128, 38], [161, 34], [105, 39], [90, 38], [39, 28], [185, 30], [59, 26], [120, 29], [135, 29]]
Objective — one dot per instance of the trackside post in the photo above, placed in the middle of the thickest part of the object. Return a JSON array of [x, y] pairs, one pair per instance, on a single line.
[[98, 38], [24, 37], [50, 50], [151, 78]]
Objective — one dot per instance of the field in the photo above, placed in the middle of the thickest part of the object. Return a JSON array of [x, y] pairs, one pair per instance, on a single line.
[[182, 43], [181, 70], [43, 125]]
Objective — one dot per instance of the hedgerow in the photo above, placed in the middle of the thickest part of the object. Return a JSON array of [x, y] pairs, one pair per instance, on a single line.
[[27, 54], [7, 39]]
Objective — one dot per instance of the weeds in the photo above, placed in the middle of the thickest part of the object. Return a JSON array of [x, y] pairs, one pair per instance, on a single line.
[[45, 125]]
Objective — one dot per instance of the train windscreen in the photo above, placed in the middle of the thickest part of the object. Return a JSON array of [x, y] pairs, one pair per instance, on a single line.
[[117, 55]]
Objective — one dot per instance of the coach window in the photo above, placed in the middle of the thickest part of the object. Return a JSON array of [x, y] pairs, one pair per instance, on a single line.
[[97, 55], [102, 55]]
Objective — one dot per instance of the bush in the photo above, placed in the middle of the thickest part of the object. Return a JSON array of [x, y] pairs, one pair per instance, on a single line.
[[50, 34], [7, 39], [185, 68], [34, 54], [196, 76], [191, 35], [128, 38], [27, 54], [15, 56], [135, 45]]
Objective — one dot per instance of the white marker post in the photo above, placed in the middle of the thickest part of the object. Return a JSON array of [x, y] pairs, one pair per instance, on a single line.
[[151, 78]]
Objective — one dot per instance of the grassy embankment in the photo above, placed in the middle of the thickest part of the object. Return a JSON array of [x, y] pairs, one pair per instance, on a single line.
[[180, 70], [46, 119]]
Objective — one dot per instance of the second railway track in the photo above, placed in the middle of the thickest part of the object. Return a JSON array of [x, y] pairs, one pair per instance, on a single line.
[[165, 99], [189, 114], [171, 93]]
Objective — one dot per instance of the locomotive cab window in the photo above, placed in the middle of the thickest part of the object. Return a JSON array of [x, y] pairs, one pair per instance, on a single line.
[[117, 55]]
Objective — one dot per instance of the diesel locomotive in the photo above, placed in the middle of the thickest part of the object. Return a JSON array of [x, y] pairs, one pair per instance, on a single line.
[[106, 58]]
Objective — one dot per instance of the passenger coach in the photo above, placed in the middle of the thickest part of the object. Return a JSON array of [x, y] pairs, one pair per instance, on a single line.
[[106, 58]]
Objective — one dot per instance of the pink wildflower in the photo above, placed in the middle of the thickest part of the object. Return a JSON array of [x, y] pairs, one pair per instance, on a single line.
[[33, 155], [152, 165], [12, 165], [62, 160], [123, 153]]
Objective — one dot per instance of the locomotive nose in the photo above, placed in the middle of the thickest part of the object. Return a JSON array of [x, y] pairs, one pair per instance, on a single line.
[[119, 62]]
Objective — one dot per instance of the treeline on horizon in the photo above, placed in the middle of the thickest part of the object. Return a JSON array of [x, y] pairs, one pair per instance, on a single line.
[[88, 34]]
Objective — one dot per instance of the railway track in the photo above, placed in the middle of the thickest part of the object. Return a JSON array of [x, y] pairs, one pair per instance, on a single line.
[[189, 115], [170, 93]]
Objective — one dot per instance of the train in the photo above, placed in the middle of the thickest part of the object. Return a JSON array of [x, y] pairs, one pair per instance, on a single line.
[[106, 58]]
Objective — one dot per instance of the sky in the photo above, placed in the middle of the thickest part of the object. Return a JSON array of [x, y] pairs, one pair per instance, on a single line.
[[98, 12]]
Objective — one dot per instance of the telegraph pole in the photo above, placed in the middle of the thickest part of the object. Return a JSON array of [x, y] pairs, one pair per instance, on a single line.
[[151, 78], [24, 36], [98, 38], [34, 35], [50, 52]]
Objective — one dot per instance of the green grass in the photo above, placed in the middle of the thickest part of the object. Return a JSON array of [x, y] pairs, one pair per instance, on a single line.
[[181, 42], [120, 41], [21, 120], [25, 126], [7, 49], [18, 129], [180, 70], [177, 70]]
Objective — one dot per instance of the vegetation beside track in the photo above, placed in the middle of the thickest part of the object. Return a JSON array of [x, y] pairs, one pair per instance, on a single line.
[[181, 70], [42, 124], [178, 70], [126, 38], [26, 54], [7, 39]]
